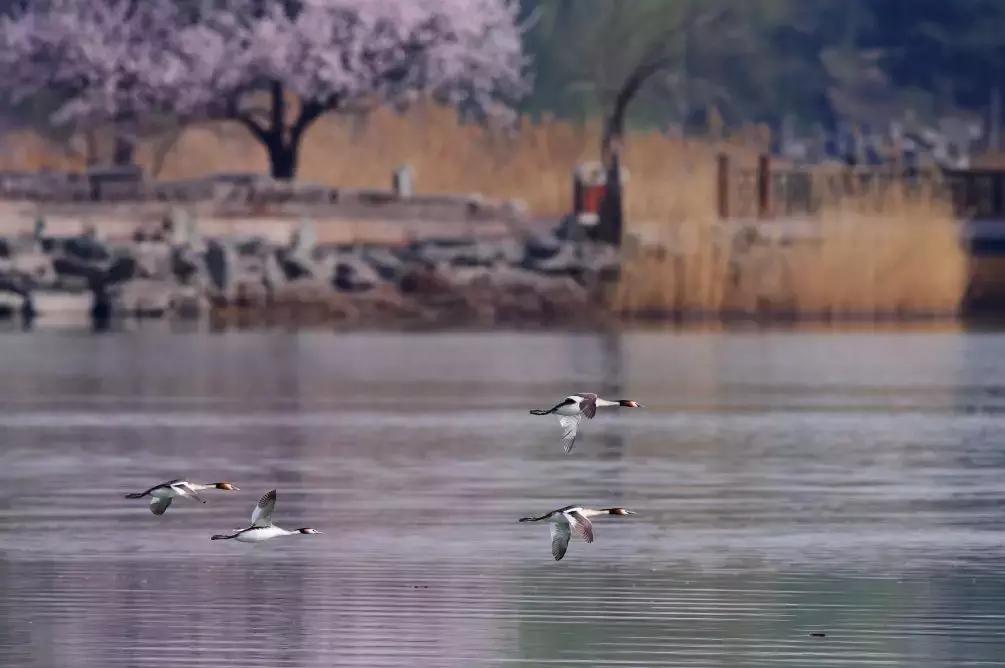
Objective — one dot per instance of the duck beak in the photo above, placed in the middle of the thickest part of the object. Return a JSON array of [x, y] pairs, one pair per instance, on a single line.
[[630, 512]]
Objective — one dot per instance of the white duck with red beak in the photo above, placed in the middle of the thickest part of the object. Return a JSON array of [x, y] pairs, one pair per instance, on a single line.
[[575, 407], [570, 520], [262, 528]]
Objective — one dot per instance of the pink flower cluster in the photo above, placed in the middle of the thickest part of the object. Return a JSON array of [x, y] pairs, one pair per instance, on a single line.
[[123, 59]]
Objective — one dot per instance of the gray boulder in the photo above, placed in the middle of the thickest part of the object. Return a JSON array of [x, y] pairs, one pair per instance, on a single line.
[[354, 274], [153, 259], [219, 258], [566, 261], [185, 264], [36, 266], [144, 298], [387, 264], [541, 247]]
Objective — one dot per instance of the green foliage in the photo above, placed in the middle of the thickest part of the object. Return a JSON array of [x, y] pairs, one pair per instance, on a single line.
[[759, 60]]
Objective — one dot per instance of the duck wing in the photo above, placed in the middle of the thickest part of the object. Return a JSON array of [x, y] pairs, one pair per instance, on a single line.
[[184, 489], [570, 427], [169, 483], [261, 516], [580, 525], [158, 506], [568, 401], [559, 540], [588, 405]]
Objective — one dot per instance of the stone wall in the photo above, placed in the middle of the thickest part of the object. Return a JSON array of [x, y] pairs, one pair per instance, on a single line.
[[177, 271], [114, 203]]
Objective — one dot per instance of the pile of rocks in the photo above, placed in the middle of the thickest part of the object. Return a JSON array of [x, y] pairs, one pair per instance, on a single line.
[[181, 275]]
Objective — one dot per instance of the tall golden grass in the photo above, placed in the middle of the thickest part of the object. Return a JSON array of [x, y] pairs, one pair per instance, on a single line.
[[900, 257], [533, 163], [889, 255]]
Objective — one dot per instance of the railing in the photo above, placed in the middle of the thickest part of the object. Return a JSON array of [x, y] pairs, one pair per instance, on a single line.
[[768, 193]]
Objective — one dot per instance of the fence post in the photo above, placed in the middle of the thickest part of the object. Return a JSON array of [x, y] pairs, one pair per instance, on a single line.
[[401, 181], [763, 185], [723, 185]]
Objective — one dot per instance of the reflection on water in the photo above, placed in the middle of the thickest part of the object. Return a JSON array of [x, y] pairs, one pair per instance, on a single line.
[[786, 483]]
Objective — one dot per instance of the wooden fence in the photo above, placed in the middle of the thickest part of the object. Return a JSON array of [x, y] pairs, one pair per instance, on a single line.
[[765, 192]]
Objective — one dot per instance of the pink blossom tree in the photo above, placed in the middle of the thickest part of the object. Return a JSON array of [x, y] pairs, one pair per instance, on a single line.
[[97, 62], [275, 66]]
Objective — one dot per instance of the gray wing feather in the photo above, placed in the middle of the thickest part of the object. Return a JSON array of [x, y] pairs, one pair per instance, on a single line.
[[570, 426], [189, 492], [589, 404], [261, 516], [581, 526], [158, 506], [559, 540]]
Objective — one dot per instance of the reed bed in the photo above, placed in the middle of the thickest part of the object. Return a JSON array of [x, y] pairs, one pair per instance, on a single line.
[[895, 254]]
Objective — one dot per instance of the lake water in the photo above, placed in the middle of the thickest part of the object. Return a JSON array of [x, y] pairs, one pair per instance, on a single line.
[[786, 484]]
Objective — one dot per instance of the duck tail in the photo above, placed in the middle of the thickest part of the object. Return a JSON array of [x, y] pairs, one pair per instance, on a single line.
[[538, 411], [135, 495], [221, 536]]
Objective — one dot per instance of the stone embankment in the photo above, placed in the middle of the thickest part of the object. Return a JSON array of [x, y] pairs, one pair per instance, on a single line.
[[169, 273]]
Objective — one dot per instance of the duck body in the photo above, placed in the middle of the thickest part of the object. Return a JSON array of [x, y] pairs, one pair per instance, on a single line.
[[574, 408], [258, 534], [161, 495], [262, 528], [572, 520]]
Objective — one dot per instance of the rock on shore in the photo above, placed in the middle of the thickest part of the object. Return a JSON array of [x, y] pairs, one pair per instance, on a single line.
[[509, 280]]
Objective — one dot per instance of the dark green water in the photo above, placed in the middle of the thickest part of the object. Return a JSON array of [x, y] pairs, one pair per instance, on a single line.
[[785, 483]]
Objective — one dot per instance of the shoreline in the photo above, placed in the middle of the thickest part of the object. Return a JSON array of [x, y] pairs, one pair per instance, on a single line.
[[526, 280]]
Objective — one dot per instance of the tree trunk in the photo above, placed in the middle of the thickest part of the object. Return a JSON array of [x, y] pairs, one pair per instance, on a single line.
[[282, 159], [91, 147], [282, 140], [122, 156], [609, 228]]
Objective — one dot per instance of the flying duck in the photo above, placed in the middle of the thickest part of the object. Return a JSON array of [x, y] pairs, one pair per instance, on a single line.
[[161, 495], [262, 528], [577, 406], [572, 520]]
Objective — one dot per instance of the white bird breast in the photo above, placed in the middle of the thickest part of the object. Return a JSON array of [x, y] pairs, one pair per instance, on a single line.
[[258, 535]]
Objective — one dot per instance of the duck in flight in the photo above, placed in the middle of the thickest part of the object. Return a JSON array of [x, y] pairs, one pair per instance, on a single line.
[[572, 520], [262, 528], [574, 408], [162, 494]]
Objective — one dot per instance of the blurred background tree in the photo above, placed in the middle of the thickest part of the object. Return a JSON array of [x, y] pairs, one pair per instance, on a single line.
[[275, 66], [762, 60], [689, 66]]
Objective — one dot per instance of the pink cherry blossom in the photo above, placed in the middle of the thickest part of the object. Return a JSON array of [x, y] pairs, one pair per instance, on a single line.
[[273, 65]]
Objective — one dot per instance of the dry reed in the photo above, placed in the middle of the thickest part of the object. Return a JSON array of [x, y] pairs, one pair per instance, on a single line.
[[887, 255], [533, 163]]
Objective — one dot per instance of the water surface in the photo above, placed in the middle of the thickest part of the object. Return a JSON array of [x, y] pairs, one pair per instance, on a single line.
[[786, 483]]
